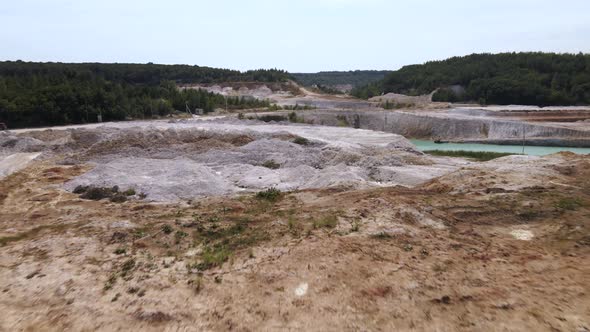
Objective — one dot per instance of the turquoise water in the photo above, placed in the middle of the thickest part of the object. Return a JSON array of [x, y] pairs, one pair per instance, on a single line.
[[530, 150]]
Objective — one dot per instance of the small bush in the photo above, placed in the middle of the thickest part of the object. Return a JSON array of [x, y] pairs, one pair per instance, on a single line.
[[179, 236], [329, 221], [568, 204], [120, 251], [129, 192], [196, 284], [167, 229], [271, 164], [128, 266], [80, 189], [118, 198], [382, 236], [301, 141], [213, 257], [98, 193], [271, 194], [356, 225], [110, 282]]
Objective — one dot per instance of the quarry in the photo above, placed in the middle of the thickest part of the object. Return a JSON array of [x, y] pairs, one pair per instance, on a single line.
[[327, 218]]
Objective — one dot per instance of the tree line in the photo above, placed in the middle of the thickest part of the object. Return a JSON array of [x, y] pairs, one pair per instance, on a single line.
[[356, 78], [47, 94], [507, 78]]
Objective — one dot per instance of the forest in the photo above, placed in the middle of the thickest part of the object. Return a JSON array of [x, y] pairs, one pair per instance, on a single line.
[[47, 94], [508, 78], [356, 78]]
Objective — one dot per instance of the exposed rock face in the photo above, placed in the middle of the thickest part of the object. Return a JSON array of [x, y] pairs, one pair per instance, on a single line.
[[432, 125]]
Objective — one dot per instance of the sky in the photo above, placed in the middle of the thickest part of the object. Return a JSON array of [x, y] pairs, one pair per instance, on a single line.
[[296, 35]]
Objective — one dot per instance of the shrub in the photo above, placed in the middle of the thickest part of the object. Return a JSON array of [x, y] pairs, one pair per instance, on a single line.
[[118, 198], [271, 164], [213, 257], [96, 194], [128, 266], [329, 221], [301, 141], [568, 204], [167, 229], [129, 192], [270, 194]]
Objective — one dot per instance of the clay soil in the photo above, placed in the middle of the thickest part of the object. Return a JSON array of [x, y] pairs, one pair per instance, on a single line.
[[430, 258]]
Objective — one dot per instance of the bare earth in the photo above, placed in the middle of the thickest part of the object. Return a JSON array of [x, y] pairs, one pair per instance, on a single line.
[[495, 246]]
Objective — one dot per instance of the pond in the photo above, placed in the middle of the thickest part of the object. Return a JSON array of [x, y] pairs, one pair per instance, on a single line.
[[530, 150]]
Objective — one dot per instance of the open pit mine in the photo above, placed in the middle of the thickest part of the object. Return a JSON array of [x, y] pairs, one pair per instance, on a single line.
[[320, 219]]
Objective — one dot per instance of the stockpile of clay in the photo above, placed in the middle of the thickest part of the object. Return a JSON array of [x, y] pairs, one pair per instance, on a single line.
[[183, 161]]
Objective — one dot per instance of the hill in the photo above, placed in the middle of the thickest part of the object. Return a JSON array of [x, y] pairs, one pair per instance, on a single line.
[[42, 94], [506, 78]]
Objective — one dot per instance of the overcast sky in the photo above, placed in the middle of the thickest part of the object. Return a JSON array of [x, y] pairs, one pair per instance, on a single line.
[[297, 35]]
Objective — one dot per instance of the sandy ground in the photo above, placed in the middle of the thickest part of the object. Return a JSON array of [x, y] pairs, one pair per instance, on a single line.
[[463, 246], [460, 253]]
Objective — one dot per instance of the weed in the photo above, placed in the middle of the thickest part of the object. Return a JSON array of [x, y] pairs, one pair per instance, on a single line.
[[342, 121], [328, 221], [293, 226], [213, 257], [118, 198], [301, 141], [110, 282], [529, 214], [139, 233], [129, 192], [569, 204], [120, 251], [96, 194], [80, 189], [213, 219], [179, 235], [271, 164], [356, 225], [382, 236], [167, 229], [293, 117], [196, 284], [128, 266], [271, 194]]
